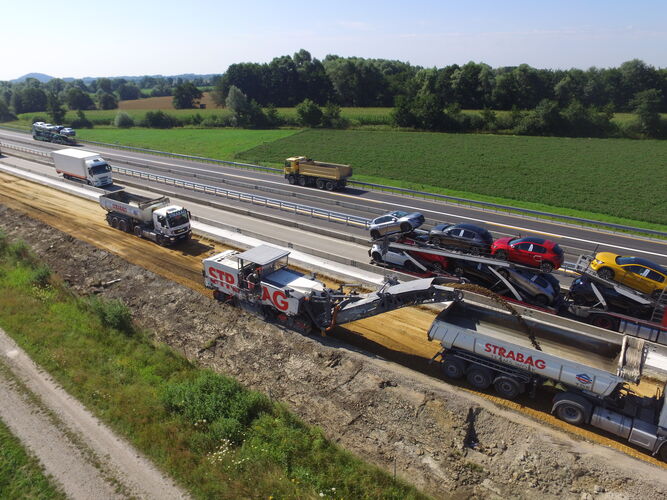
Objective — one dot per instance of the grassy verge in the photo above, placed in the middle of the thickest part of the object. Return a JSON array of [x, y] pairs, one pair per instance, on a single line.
[[21, 475], [605, 179], [215, 437]]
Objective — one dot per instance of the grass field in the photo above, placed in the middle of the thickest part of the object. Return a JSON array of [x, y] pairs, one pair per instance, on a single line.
[[217, 438], [222, 143], [617, 177], [22, 476]]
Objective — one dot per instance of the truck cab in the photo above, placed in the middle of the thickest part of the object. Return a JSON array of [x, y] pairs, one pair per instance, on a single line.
[[171, 221], [98, 172]]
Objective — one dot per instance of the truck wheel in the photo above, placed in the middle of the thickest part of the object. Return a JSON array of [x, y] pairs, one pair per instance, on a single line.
[[479, 377], [291, 179], [571, 413], [114, 223], [137, 231], [160, 240], [453, 367], [302, 181], [604, 321], [123, 226], [507, 387], [330, 185], [221, 296], [320, 183]]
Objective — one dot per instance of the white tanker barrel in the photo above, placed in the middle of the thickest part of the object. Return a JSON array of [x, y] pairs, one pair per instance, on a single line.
[[505, 338], [136, 206]]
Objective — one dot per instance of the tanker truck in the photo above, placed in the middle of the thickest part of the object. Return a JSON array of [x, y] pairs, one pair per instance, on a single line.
[[591, 369], [155, 219], [307, 172]]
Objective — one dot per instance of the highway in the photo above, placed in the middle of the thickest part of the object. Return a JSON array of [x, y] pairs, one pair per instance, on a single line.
[[574, 240]]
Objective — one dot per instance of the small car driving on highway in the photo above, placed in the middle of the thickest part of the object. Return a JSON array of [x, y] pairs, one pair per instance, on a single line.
[[635, 272], [395, 222], [531, 251], [466, 237]]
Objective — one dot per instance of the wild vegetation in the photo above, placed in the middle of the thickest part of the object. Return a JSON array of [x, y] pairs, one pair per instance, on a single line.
[[573, 103], [214, 436], [21, 475]]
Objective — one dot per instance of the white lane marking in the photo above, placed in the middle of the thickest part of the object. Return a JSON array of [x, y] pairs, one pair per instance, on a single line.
[[582, 240]]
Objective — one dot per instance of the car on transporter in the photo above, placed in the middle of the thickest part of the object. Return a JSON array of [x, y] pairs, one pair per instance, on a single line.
[[544, 254], [635, 272], [466, 237], [395, 222]]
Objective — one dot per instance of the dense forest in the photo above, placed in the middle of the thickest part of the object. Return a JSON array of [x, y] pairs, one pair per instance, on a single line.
[[542, 101]]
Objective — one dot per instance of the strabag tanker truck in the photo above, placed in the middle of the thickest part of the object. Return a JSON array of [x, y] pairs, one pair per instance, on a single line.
[[322, 175], [591, 368], [155, 219]]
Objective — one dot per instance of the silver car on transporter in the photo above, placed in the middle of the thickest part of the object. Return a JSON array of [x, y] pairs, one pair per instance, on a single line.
[[395, 222]]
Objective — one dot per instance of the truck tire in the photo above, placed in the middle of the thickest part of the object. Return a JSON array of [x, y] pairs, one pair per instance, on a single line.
[[302, 181], [662, 453], [507, 387], [479, 377], [330, 185], [138, 232], [114, 222], [572, 408], [453, 367], [123, 226], [291, 179], [159, 239], [320, 183]]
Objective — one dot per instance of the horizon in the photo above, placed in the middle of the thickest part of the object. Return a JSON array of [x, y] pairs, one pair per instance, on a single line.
[[120, 41]]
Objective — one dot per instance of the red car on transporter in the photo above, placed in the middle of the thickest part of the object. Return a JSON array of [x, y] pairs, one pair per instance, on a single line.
[[534, 252]]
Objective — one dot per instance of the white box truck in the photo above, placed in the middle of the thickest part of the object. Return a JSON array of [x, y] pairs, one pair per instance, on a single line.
[[86, 166]]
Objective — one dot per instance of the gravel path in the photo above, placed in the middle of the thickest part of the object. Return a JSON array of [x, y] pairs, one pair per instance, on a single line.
[[81, 453]]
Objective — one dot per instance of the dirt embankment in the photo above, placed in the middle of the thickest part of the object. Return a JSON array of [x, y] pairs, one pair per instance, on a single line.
[[385, 413]]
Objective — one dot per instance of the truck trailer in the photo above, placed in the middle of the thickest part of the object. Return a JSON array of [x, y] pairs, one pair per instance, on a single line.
[[155, 219], [307, 172], [86, 166], [591, 368], [53, 133]]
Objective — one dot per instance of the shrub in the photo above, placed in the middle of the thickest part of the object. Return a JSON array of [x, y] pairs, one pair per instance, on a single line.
[[113, 314], [20, 251], [40, 276], [4, 243], [218, 402], [81, 121], [159, 119], [309, 113], [123, 120]]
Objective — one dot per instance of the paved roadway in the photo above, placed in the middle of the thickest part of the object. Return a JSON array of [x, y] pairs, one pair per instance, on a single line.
[[574, 240]]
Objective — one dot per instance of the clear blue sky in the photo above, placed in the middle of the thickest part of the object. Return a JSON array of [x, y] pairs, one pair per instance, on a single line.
[[73, 38]]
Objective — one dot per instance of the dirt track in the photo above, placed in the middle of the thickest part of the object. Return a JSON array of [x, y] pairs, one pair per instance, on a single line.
[[379, 410]]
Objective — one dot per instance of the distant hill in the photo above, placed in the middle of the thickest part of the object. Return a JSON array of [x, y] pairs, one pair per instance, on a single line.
[[87, 79], [39, 76]]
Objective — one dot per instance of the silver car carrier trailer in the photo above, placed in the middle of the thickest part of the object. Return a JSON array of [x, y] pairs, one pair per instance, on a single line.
[[492, 346]]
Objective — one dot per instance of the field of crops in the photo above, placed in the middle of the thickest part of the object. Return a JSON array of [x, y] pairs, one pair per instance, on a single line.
[[622, 178], [222, 143]]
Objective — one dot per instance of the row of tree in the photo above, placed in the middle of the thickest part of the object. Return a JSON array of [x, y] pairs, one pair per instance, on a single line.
[[353, 81]]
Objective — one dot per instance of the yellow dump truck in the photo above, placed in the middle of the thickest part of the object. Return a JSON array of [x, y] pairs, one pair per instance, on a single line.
[[307, 172]]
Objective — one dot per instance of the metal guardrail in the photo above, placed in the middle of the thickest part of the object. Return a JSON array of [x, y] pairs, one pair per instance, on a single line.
[[296, 208], [453, 200]]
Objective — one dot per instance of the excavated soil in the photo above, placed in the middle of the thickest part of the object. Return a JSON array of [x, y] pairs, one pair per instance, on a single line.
[[447, 441]]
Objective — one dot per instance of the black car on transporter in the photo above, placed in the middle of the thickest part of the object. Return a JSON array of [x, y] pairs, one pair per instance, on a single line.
[[466, 237]]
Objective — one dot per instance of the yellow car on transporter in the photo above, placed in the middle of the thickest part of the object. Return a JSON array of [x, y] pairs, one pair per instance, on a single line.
[[635, 272]]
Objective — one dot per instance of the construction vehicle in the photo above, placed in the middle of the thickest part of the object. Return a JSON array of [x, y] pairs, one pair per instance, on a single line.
[[53, 133], [307, 172], [591, 368], [86, 166], [155, 219], [260, 280]]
